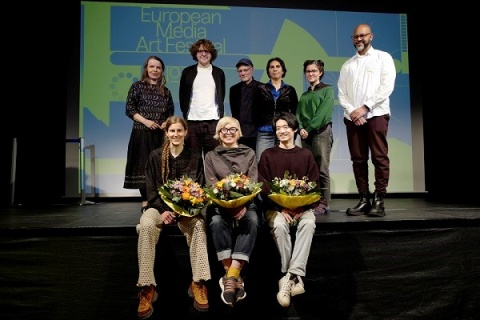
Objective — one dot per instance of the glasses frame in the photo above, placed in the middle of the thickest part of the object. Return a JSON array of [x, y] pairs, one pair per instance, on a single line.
[[360, 36], [232, 130], [244, 70]]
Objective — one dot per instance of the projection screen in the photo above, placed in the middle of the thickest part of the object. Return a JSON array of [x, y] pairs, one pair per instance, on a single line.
[[115, 39]]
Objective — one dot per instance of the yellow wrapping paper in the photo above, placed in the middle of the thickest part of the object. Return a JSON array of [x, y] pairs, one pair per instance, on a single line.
[[293, 202], [179, 210], [234, 203]]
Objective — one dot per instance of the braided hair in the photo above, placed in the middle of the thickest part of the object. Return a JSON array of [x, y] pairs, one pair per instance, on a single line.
[[165, 163]]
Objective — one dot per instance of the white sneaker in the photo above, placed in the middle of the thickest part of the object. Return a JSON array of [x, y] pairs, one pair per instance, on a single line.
[[285, 286], [298, 287]]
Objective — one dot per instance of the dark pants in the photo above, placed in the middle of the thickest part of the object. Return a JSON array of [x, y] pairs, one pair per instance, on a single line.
[[370, 136], [249, 142], [200, 135]]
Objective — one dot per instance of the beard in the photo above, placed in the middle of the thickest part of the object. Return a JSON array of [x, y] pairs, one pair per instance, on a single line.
[[360, 46]]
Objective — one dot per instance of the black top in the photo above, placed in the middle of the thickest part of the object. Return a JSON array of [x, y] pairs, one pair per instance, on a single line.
[[186, 163], [241, 105]]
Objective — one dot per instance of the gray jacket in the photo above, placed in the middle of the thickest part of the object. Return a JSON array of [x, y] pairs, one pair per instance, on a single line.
[[242, 160]]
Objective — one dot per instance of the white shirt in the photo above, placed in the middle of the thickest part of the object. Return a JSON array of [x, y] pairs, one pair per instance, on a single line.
[[203, 105], [367, 80]]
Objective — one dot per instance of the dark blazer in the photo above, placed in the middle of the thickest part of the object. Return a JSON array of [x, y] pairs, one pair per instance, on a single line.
[[244, 113]]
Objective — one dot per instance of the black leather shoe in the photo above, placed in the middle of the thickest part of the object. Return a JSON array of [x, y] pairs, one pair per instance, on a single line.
[[378, 208], [362, 207]]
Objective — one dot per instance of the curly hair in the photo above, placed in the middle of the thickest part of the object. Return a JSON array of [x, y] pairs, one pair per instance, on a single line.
[[207, 44]]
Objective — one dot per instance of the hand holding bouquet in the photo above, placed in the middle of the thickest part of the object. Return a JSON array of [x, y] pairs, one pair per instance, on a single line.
[[292, 193], [233, 191], [184, 196]]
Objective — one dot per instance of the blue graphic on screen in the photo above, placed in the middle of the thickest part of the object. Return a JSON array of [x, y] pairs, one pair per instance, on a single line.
[[117, 38]]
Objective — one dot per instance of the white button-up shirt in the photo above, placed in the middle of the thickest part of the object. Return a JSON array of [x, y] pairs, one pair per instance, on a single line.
[[367, 80]]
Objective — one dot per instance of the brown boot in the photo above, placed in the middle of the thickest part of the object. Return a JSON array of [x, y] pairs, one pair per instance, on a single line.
[[198, 291], [147, 297]]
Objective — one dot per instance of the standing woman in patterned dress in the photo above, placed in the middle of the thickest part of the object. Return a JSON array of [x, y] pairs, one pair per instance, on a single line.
[[149, 104]]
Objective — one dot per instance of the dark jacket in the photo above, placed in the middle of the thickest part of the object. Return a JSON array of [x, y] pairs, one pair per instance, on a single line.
[[242, 106], [186, 163], [186, 84], [265, 106]]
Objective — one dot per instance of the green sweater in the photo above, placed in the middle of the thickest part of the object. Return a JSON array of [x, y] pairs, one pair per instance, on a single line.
[[315, 107]]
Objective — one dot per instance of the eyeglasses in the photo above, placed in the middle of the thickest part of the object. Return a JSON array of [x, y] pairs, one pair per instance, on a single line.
[[311, 71], [203, 51], [229, 130], [360, 36], [243, 70]]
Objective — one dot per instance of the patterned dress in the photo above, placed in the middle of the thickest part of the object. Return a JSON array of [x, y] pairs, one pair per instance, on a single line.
[[146, 100]]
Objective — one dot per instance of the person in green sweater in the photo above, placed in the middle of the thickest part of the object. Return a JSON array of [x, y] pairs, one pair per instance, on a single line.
[[314, 115]]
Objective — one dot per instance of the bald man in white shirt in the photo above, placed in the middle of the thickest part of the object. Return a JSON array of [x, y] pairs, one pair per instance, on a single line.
[[365, 84]]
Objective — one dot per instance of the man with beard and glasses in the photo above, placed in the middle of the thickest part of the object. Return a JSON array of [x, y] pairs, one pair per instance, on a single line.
[[365, 84]]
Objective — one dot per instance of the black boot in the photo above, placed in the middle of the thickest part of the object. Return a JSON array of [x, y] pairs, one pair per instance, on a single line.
[[378, 208], [362, 207]]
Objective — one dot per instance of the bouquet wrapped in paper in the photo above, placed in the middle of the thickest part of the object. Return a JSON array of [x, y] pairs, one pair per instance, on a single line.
[[233, 191], [292, 193], [184, 196]]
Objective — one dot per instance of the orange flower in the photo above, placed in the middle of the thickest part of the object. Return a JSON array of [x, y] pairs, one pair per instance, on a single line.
[[184, 196]]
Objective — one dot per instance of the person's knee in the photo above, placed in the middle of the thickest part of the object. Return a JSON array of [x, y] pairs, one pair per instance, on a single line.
[[147, 226]]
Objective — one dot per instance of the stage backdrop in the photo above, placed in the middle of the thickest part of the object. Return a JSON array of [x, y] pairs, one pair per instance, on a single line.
[[117, 37]]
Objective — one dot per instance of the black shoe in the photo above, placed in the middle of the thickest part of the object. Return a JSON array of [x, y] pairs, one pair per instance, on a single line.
[[362, 207], [378, 208]]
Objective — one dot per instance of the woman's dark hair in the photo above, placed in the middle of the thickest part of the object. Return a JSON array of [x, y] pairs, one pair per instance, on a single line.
[[282, 63], [318, 63], [288, 117]]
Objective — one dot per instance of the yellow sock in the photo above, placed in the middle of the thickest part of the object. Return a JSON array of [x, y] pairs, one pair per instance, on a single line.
[[233, 273]]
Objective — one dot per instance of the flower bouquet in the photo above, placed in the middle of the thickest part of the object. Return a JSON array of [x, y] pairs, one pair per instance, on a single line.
[[233, 191], [292, 193], [184, 196]]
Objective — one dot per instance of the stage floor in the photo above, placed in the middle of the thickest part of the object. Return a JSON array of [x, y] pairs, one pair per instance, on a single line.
[[72, 261], [101, 217]]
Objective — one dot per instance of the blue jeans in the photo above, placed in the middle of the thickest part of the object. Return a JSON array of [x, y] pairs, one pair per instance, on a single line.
[[265, 140], [224, 229], [321, 146]]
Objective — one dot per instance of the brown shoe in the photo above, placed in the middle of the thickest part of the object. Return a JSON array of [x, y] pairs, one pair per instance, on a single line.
[[241, 293], [229, 290], [198, 291], [147, 297]]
